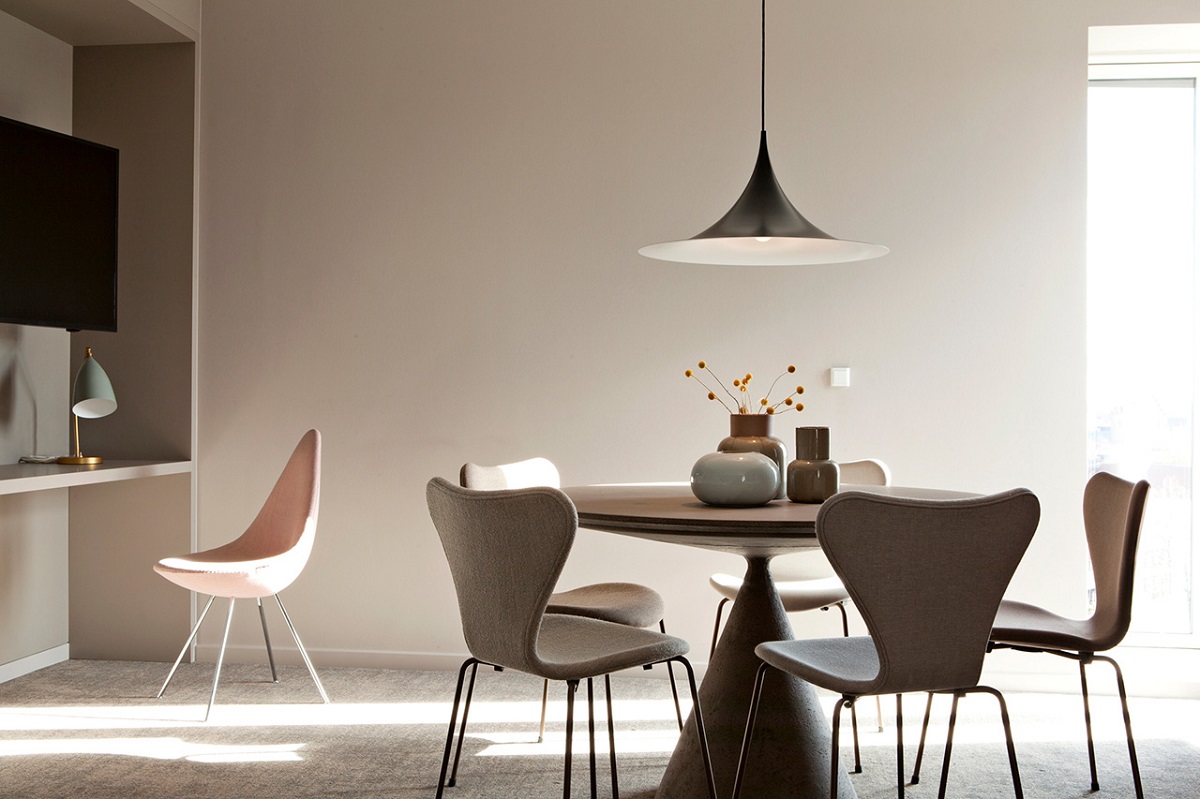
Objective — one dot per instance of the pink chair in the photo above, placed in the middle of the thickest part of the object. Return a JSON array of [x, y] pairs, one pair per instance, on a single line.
[[263, 561]]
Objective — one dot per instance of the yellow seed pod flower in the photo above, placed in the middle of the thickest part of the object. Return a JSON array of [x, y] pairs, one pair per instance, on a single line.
[[789, 401], [799, 389], [799, 406], [770, 411], [688, 373], [762, 401], [791, 369], [749, 377], [701, 365], [712, 396], [737, 383]]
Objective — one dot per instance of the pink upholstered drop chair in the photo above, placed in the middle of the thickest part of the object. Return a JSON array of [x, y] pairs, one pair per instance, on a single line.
[[263, 561]]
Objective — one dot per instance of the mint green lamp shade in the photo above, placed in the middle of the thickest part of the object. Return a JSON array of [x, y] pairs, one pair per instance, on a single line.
[[92, 398]]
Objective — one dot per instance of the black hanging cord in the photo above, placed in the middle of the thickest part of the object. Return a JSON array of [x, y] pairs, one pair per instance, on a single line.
[[763, 82]]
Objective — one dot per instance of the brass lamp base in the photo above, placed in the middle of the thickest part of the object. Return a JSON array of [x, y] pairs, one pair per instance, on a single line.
[[81, 460]]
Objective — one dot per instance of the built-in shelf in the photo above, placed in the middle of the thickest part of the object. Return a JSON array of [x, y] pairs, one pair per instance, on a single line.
[[20, 478]]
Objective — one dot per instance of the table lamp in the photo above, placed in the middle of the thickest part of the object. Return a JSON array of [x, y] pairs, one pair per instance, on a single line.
[[93, 397]]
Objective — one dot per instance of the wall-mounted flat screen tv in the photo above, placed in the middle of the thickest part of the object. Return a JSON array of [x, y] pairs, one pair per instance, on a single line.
[[58, 229]]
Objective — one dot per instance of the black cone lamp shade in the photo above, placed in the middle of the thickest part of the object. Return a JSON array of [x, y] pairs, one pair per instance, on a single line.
[[763, 228]]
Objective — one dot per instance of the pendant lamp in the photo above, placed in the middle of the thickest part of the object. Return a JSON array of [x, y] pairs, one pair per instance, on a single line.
[[763, 228]]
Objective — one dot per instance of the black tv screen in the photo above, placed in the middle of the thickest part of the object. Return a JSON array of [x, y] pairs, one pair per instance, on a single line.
[[58, 229]]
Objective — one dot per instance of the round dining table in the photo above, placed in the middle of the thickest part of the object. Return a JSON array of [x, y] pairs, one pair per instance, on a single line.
[[790, 756]]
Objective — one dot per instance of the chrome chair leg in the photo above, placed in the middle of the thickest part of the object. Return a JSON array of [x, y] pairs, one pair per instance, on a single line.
[[545, 699], [303, 651], [220, 659], [186, 645], [262, 616]]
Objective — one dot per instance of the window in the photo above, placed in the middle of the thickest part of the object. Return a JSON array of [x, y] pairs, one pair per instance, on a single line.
[[1143, 308]]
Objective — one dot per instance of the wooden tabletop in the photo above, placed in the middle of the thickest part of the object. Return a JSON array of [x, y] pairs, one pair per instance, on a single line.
[[671, 513]]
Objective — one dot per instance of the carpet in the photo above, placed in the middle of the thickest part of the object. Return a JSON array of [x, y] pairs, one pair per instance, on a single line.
[[93, 729]]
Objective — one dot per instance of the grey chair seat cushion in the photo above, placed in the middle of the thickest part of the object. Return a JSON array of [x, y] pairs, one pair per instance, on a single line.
[[575, 647], [1021, 624], [620, 603], [845, 665], [796, 595]]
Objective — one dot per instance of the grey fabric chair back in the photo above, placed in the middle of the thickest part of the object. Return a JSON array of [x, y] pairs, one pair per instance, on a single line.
[[506, 550], [927, 577], [1112, 520]]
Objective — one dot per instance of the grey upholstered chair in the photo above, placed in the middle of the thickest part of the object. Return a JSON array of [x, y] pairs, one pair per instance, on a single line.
[[630, 604], [927, 577], [805, 581], [1112, 521], [506, 550], [264, 560]]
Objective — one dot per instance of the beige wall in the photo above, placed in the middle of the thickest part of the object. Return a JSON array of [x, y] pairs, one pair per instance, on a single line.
[[419, 225], [35, 87]]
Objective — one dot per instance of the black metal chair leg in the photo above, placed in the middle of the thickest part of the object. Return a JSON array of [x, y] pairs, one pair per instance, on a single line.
[[462, 673], [662, 627], [591, 736], [612, 737], [1133, 761], [899, 746], [572, 686], [717, 625], [949, 745], [749, 734], [462, 732], [841, 606], [916, 775], [1008, 740], [833, 754], [1087, 722], [701, 736]]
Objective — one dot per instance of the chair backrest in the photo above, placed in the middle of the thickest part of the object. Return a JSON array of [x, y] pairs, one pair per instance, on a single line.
[[812, 565], [927, 577], [865, 472], [521, 474], [287, 522], [506, 549], [1112, 520]]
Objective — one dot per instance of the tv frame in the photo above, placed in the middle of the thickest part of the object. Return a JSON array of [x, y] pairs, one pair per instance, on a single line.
[[68, 321]]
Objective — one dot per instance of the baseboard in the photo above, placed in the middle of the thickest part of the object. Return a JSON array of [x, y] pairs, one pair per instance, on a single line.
[[1148, 672], [30, 664]]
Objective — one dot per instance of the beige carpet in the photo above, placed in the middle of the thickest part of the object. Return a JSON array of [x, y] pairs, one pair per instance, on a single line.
[[93, 729]]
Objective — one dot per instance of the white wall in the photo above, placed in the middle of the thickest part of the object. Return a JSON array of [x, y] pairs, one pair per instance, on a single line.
[[419, 233], [35, 87]]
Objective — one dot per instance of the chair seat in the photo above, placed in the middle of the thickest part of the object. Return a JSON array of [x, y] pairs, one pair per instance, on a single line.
[[620, 603], [219, 572], [846, 665], [1021, 624], [797, 595], [575, 647]]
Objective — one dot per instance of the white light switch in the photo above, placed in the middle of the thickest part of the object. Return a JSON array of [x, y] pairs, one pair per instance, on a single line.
[[839, 376]]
